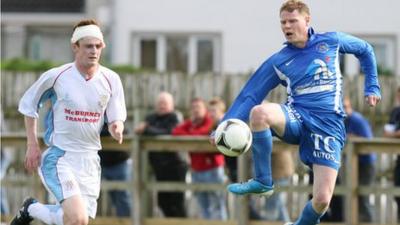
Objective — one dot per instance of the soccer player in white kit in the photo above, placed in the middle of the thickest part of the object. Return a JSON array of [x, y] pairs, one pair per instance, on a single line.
[[83, 94]]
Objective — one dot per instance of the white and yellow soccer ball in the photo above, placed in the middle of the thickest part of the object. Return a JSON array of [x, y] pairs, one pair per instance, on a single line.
[[233, 137]]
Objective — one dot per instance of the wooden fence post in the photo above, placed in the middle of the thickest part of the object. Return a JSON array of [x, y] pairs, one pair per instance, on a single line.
[[136, 182]]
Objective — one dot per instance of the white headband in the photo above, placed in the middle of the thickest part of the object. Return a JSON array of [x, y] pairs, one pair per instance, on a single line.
[[87, 31]]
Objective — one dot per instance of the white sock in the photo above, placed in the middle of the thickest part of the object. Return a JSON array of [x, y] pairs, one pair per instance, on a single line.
[[49, 214]]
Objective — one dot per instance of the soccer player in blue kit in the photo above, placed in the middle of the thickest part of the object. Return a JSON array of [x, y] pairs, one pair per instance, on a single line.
[[308, 66]]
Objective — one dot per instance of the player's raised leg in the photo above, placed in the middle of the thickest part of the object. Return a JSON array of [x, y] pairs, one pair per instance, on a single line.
[[262, 118]]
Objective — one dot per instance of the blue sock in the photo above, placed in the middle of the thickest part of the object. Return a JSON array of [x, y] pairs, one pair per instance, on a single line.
[[308, 216], [261, 149]]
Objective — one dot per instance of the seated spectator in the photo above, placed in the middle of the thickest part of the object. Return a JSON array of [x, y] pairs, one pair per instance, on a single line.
[[117, 166], [167, 166], [205, 167]]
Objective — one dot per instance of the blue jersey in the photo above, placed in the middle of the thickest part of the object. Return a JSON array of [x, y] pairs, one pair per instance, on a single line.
[[311, 76]]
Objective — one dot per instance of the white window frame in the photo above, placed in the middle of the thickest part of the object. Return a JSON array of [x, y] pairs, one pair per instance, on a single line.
[[353, 67], [161, 51]]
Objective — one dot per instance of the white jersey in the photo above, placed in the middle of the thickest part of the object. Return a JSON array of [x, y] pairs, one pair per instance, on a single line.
[[79, 106]]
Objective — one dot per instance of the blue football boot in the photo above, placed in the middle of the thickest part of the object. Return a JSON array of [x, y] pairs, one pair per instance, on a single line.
[[251, 187]]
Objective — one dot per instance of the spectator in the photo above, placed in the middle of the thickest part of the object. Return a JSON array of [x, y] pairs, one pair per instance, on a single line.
[[167, 166], [117, 166], [392, 130], [357, 126], [206, 167]]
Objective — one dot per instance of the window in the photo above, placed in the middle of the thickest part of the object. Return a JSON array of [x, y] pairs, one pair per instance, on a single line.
[[385, 53], [187, 53], [148, 54], [49, 43], [177, 54], [205, 57], [50, 6], [382, 53]]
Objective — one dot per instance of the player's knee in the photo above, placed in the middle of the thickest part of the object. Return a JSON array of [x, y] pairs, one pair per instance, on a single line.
[[321, 202], [76, 219], [259, 116]]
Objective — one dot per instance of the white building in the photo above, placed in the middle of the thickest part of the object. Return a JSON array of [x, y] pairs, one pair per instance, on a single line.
[[232, 36]]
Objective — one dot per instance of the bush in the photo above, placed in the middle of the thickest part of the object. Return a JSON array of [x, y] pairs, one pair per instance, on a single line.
[[384, 71], [26, 65], [123, 69]]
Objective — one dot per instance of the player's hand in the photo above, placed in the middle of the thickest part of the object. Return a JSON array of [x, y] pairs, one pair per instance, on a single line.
[[211, 138], [372, 100], [32, 157], [116, 130]]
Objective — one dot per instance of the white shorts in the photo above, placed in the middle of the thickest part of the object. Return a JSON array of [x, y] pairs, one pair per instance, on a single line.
[[66, 174]]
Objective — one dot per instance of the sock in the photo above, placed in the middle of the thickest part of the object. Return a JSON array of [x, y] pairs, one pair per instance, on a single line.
[[308, 216], [261, 149], [49, 214]]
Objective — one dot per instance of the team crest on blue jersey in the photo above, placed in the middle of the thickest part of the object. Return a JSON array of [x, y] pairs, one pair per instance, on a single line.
[[323, 79], [322, 47], [319, 69]]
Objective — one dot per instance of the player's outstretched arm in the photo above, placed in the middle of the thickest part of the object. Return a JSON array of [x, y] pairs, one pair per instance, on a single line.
[[116, 130], [33, 153]]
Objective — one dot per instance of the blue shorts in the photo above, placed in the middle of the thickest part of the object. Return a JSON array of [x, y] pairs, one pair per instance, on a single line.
[[320, 136]]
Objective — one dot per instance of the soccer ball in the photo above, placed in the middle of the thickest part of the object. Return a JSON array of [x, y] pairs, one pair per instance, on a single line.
[[233, 137]]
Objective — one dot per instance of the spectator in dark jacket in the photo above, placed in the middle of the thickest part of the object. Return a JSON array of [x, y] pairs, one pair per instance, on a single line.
[[116, 165], [167, 166]]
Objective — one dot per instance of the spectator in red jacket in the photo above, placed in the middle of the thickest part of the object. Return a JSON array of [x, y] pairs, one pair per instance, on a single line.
[[205, 167]]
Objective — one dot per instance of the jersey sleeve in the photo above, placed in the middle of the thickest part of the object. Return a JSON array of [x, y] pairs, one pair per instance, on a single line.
[[254, 91], [365, 54], [116, 109], [41, 90]]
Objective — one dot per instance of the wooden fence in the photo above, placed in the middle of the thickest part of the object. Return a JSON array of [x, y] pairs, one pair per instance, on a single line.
[[141, 185], [142, 89]]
